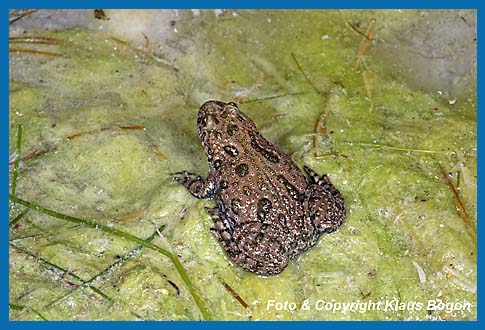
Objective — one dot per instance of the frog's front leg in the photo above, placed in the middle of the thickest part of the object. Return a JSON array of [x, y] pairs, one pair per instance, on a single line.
[[324, 205], [196, 185]]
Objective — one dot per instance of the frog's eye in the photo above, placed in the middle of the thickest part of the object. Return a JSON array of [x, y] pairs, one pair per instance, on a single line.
[[233, 104]]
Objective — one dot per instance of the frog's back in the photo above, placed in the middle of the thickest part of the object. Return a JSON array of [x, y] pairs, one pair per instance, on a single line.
[[254, 180]]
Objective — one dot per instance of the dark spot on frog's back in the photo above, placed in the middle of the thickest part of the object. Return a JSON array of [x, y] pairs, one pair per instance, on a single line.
[[247, 191], [236, 205], [223, 185], [215, 119], [282, 219], [231, 150], [292, 191], [242, 170], [272, 157], [264, 206], [217, 163], [262, 185], [231, 129]]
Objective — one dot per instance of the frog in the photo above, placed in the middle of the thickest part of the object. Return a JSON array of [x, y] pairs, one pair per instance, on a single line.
[[267, 210]]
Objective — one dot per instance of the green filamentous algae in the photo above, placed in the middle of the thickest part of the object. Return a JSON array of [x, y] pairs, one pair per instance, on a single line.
[[384, 102]]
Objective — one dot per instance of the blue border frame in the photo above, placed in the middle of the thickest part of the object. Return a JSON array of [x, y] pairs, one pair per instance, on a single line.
[[342, 4], [246, 4]]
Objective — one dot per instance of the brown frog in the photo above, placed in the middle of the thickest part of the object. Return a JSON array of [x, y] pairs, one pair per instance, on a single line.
[[267, 211]]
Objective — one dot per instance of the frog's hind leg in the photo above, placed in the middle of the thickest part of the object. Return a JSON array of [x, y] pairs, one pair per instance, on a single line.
[[325, 205], [196, 185], [222, 229], [250, 245], [259, 250]]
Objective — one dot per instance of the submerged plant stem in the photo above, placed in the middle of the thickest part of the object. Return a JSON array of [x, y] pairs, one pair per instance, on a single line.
[[19, 217], [33, 51], [36, 153], [19, 308], [381, 146], [235, 294], [59, 268], [459, 206], [124, 235], [34, 40], [17, 159], [27, 13], [105, 271], [304, 75], [267, 98], [366, 41], [126, 127]]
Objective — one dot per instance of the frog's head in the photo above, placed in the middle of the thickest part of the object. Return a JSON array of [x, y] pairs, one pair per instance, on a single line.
[[220, 122], [210, 114]]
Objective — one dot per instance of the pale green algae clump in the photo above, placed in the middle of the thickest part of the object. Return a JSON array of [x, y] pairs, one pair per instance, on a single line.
[[385, 147]]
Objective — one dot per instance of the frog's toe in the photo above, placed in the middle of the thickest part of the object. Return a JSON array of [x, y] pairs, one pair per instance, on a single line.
[[322, 181], [196, 185], [185, 178], [313, 177]]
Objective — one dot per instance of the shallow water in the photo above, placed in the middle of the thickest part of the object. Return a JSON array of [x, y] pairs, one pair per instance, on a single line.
[[109, 108]]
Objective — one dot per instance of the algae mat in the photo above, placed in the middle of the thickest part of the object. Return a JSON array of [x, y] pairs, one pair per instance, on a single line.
[[382, 101]]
